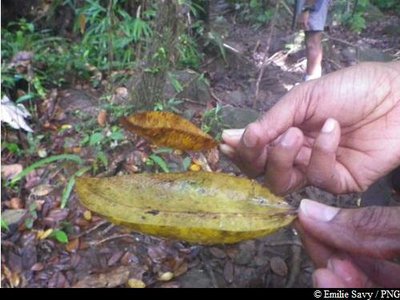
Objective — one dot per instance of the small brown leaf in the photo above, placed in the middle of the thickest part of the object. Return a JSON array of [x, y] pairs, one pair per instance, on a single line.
[[37, 267], [111, 279], [42, 190], [169, 130], [10, 171], [278, 266], [16, 203], [102, 118], [73, 245]]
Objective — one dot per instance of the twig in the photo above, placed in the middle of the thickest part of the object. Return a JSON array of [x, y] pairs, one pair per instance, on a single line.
[[101, 223], [284, 243], [295, 262], [287, 8], [265, 59], [215, 96], [110, 238], [340, 40]]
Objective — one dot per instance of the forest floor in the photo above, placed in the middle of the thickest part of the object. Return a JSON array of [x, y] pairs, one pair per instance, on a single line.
[[99, 254]]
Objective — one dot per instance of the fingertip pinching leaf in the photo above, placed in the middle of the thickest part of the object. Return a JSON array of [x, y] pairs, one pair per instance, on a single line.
[[198, 207], [169, 130]]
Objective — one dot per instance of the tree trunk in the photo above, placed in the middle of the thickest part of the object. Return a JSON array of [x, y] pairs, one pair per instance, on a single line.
[[159, 56]]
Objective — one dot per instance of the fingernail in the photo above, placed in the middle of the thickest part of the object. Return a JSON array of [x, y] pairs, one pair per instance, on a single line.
[[232, 132], [227, 150], [248, 141], [329, 126], [318, 211], [288, 139]]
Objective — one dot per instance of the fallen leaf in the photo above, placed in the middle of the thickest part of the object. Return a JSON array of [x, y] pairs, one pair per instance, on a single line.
[[102, 118], [278, 266], [42, 190], [169, 130], [111, 279], [136, 283], [87, 215], [10, 171], [195, 168], [41, 234], [13, 216], [198, 207], [229, 272], [16, 203], [73, 245], [218, 253], [37, 267], [167, 276]]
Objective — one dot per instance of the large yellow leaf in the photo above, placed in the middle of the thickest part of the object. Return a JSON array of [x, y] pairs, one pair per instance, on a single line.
[[169, 130], [200, 207]]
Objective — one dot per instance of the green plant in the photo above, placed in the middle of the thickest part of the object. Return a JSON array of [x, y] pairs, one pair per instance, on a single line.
[[212, 121], [111, 36], [351, 13], [154, 159], [60, 236], [70, 185], [32, 215], [4, 225], [256, 12], [168, 105], [42, 163]]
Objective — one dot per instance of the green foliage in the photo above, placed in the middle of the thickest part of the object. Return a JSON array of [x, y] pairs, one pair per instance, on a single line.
[[154, 159], [44, 162], [32, 216], [189, 56], [60, 236], [110, 32], [168, 105], [70, 185], [257, 12], [212, 121], [4, 225], [388, 5], [351, 13]]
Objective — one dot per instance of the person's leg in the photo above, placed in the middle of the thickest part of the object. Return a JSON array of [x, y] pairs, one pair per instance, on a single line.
[[314, 54]]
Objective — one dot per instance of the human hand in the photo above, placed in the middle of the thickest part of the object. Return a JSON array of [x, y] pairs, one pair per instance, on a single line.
[[340, 132], [351, 247], [303, 20]]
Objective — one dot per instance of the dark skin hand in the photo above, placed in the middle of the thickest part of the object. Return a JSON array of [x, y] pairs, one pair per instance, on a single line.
[[351, 247], [340, 133]]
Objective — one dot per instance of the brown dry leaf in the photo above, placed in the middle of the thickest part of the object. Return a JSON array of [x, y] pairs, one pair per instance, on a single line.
[[73, 245], [10, 171], [16, 203], [42, 190], [114, 278], [278, 266], [102, 118], [169, 130], [198, 207]]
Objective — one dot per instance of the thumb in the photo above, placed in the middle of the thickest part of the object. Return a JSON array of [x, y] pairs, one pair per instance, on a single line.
[[372, 231]]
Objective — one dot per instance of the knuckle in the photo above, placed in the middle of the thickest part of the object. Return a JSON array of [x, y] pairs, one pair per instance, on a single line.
[[371, 219]]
